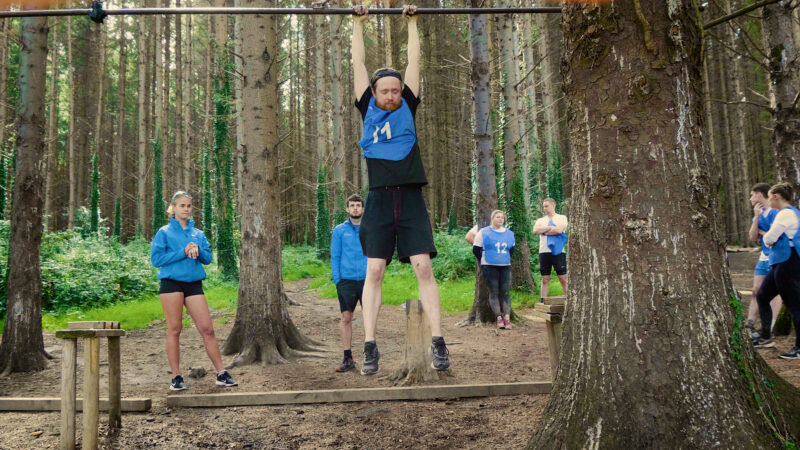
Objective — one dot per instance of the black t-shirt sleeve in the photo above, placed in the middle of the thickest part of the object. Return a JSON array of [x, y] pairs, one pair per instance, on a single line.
[[411, 99], [362, 103]]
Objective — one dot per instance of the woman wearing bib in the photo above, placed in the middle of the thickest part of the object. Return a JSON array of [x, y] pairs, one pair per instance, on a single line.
[[783, 277], [493, 246]]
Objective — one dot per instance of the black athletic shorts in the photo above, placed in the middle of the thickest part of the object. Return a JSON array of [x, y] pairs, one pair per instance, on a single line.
[[189, 288], [349, 292], [548, 261], [396, 216]]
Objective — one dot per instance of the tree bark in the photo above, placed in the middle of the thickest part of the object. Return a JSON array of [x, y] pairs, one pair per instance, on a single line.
[[71, 157], [22, 348], [486, 196], [51, 164], [119, 149], [632, 372], [181, 155], [263, 331], [784, 87], [141, 224]]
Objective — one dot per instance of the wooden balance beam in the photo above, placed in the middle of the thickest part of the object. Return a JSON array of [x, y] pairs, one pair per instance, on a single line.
[[356, 395], [54, 404]]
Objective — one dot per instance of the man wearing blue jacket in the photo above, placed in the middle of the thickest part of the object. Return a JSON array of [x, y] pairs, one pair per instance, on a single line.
[[349, 269]]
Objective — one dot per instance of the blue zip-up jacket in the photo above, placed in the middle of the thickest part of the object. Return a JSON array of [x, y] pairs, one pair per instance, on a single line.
[[167, 252], [347, 259]]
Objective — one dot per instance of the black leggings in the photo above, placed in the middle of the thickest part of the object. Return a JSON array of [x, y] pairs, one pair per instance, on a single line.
[[498, 278], [783, 279]]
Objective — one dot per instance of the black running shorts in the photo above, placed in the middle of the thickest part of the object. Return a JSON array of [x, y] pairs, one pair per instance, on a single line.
[[396, 216], [189, 289], [548, 262], [349, 292]]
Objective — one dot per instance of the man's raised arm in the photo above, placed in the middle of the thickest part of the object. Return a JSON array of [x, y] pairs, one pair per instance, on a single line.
[[412, 70], [360, 76]]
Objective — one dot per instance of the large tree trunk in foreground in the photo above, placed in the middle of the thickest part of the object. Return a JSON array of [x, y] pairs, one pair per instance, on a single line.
[[652, 355], [784, 88], [22, 348], [263, 331], [486, 198]]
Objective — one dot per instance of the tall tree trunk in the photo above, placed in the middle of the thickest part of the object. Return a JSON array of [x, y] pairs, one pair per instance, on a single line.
[[784, 75], [51, 165], [338, 110], [71, 151], [4, 56], [167, 153], [237, 86], [189, 139], [486, 196], [119, 138], [22, 348], [514, 156], [631, 374], [263, 331], [106, 204], [181, 155], [141, 198]]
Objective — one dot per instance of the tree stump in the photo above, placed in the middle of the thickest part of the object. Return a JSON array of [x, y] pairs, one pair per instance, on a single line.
[[416, 366]]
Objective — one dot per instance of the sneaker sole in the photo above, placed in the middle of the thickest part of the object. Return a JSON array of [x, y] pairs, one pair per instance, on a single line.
[[177, 389], [440, 370], [367, 373], [220, 383], [789, 357], [767, 345], [345, 370]]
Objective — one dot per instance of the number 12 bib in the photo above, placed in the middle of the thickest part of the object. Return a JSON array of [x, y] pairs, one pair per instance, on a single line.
[[388, 134]]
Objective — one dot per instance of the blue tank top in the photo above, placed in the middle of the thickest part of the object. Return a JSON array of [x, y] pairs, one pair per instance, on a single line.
[[496, 246], [764, 223], [781, 249], [388, 135]]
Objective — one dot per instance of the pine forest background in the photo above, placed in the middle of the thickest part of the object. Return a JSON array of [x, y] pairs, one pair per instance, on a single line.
[[140, 107]]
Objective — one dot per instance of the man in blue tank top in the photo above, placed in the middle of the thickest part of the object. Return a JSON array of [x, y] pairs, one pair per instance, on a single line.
[[395, 215]]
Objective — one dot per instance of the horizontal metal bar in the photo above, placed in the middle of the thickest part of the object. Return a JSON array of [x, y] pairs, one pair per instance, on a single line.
[[266, 11]]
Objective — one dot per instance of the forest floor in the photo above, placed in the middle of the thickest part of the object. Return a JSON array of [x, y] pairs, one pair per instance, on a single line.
[[478, 355]]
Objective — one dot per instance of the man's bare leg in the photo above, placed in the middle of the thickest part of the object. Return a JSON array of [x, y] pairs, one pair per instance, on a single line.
[[545, 291], [563, 280], [428, 291], [372, 297]]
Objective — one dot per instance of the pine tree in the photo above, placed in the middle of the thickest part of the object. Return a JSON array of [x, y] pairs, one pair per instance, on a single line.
[[3, 190], [208, 203], [323, 229], [94, 213], [452, 220], [223, 162], [117, 219], [159, 212], [341, 204], [555, 184]]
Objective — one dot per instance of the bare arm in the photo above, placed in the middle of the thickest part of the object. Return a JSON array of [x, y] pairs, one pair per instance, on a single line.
[[470, 237], [412, 70], [360, 76], [540, 229]]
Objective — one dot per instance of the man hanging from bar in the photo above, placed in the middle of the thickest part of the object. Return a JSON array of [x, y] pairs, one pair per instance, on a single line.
[[395, 214]]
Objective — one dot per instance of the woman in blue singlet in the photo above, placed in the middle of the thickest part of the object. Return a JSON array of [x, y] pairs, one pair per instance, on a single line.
[[493, 246]]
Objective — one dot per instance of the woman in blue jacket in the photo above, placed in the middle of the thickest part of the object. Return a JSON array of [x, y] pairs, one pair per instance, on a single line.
[[179, 251]]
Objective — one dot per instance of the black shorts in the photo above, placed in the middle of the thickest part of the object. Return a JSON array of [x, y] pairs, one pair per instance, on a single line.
[[349, 292], [189, 288], [396, 216], [548, 262]]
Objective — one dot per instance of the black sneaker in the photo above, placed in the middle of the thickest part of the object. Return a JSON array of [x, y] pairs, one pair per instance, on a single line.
[[225, 379], [761, 342], [440, 354], [750, 324], [346, 365], [794, 353], [177, 384], [371, 357]]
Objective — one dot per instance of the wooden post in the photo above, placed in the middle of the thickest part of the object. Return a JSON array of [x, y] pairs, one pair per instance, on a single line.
[[553, 344], [416, 366], [91, 393], [69, 348], [114, 384]]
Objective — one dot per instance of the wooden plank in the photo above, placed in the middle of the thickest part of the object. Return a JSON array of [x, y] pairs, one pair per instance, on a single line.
[[75, 334], [553, 345], [91, 393], [553, 309], [93, 325], [547, 316], [133, 404], [356, 395], [114, 383], [557, 300], [66, 404]]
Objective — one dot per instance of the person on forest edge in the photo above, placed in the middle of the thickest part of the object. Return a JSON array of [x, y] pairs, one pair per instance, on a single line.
[[395, 213], [493, 247], [179, 250], [784, 268], [763, 216], [552, 238], [348, 269]]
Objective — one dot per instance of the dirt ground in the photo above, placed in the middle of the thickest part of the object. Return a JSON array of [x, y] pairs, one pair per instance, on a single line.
[[478, 355]]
